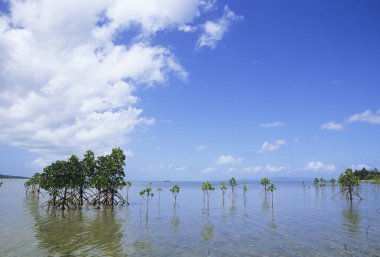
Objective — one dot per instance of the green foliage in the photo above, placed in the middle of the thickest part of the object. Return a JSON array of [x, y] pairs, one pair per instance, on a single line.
[[332, 181], [159, 190], [146, 193], [348, 178], [232, 182], [66, 181], [245, 188], [271, 188], [316, 181], [207, 187], [223, 187], [32, 185], [365, 174], [175, 191], [349, 181], [265, 182]]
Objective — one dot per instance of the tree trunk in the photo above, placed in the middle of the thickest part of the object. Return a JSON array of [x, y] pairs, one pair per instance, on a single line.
[[64, 200], [147, 210], [98, 198], [81, 196], [112, 196], [350, 192], [208, 203]]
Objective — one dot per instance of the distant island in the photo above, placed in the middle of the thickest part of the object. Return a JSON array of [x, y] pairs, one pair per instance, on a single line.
[[9, 176]]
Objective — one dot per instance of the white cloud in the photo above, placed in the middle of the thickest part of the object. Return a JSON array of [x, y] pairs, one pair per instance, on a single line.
[[253, 169], [201, 148], [215, 30], [366, 116], [269, 147], [209, 170], [320, 166], [187, 28], [332, 125], [266, 168], [227, 159], [272, 124], [39, 163], [271, 168], [66, 86]]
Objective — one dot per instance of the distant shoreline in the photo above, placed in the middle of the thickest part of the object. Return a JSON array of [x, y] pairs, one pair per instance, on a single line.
[[12, 177]]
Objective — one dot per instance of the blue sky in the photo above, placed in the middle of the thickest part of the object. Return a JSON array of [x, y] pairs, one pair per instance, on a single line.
[[202, 90]]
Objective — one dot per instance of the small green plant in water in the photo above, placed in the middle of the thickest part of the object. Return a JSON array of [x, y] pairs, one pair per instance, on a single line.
[[265, 182], [175, 191], [332, 181], [316, 181], [271, 189], [232, 183], [147, 195], [224, 189], [159, 190], [128, 185], [207, 188], [245, 188]]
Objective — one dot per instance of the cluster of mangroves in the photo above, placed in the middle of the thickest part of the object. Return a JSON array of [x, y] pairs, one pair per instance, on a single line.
[[72, 183]]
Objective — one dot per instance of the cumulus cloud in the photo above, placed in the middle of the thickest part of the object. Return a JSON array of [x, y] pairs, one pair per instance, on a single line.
[[270, 147], [320, 166], [227, 159], [366, 116], [332, 125], [66, 85], [213, 31], [272, 124]]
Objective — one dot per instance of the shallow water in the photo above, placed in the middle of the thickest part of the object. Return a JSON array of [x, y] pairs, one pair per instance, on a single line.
[[304, 221]]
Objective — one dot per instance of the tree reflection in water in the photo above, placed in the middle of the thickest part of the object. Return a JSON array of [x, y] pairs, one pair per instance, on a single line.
[[77, 232], [207, 234], [352, 218]]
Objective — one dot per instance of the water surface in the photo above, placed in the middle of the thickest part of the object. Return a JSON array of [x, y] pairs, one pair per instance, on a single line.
[[304, 221]]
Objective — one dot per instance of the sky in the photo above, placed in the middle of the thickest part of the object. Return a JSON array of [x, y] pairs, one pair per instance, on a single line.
[[192, 90]]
